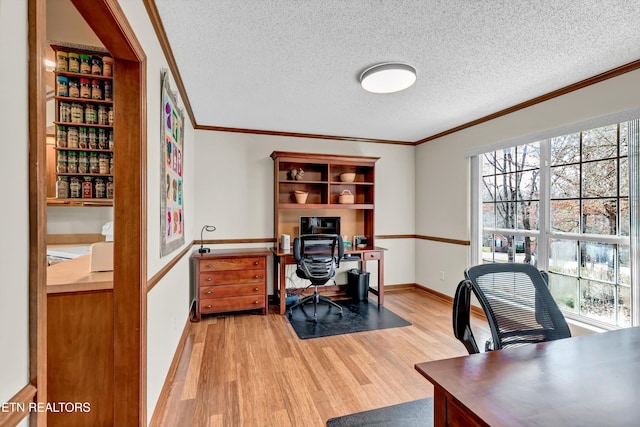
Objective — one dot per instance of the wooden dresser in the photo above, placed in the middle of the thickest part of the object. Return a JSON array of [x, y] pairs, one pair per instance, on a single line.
[[230, 280]]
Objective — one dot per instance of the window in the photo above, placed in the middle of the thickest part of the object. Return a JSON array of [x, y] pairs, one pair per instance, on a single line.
[[562, 204]]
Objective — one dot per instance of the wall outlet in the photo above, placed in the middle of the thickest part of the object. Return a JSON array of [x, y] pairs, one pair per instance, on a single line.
[[442, 276]]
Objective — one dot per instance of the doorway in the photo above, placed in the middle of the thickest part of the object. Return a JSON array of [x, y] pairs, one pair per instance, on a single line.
[[107, 20]]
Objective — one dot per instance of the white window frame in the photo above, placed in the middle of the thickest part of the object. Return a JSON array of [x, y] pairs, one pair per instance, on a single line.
[[544, 234]]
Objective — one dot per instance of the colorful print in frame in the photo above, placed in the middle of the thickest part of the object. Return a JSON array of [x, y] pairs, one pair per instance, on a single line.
[[172, 145]]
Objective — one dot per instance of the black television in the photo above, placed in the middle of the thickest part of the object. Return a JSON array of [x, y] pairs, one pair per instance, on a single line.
[[319, 225]]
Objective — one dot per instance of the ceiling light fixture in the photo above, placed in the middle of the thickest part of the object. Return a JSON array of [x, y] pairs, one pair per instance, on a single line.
[[388, 77]]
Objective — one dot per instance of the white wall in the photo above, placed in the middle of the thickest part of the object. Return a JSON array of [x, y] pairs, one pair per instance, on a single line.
[[444, 211], [77, 220], [168, 301], [234, 186], [14, 214]]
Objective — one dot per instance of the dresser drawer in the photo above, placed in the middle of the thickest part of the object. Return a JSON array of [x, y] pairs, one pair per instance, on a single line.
[[244, 263], [231, 277], [224, 291], [247, 302], [371, 256]]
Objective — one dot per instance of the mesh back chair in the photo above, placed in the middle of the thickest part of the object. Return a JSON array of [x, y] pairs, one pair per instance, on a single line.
[[517, 302], [318, 256]]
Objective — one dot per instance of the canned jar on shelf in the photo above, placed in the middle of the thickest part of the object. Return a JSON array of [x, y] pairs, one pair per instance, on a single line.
[[83, 137], [74, 88], [74, 62], [85, 64], [73, 137], [108, 93], [101, 189], [92, 138], [62, 187], [83, 162], [75, 189], [61, 162], [90, 114], [94, 167], [62, 61], [61, 137], [96, 90], [62, 86], [64, 112], [96, 65], [107, 66], [72, 162], [77, 114], [85, 88], [110, 188], [87, 188]]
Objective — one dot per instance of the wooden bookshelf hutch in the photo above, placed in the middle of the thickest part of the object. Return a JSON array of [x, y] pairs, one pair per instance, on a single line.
[[326, 186], [322, 181]]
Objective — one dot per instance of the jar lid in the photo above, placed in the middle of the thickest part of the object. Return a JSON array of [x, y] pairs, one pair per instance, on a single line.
[[73, 54], [95, 82], [84, 81], [84, 56]]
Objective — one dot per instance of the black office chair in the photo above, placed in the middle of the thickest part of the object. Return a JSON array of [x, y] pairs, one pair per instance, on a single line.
[[517, 302], [318, 256]]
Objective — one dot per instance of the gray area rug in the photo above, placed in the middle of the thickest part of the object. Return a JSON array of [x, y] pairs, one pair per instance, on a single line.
[[418, 413]]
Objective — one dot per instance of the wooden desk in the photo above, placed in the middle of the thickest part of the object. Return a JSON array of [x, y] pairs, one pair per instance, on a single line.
[[75, 276], [592, 380], [283, 258]]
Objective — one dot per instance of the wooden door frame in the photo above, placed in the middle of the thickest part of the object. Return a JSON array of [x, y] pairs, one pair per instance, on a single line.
[[107, 20]]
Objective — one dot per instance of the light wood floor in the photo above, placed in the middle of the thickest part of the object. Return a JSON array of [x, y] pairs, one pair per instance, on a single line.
[[252, 370]]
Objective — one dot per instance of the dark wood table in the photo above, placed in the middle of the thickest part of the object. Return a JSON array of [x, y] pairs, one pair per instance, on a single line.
[[592, 380]]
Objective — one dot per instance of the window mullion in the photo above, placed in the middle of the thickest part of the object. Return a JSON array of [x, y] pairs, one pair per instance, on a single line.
[[545, 205]]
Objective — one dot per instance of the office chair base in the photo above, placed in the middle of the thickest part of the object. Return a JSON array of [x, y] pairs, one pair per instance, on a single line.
[[316, 298]]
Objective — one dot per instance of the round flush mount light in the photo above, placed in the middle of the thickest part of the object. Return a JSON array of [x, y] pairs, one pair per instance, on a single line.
[[388, 77]]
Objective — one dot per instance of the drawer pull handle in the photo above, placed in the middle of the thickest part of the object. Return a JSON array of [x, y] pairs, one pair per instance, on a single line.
[[209, 306], [257, 276], [209, 292], [256, 289], [209, 265], [256, 263], [209, 279], [256, 302]]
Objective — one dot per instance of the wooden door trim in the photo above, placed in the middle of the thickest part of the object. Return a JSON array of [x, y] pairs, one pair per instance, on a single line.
[[108, 22], [37, 207]]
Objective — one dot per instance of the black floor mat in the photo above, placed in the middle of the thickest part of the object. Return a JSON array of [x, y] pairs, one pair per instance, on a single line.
[[418, 413], [356, 317]]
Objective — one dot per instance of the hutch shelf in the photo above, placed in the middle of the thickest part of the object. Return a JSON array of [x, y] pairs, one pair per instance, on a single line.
[[84, 129], [335, 185]]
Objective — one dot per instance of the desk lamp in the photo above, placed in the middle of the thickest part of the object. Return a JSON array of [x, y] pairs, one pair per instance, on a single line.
[[202, 249]]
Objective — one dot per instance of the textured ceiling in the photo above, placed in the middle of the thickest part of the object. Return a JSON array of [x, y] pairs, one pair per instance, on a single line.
[[293, 66]]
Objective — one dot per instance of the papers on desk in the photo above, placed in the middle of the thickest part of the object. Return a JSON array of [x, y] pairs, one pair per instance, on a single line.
[[67, 252]]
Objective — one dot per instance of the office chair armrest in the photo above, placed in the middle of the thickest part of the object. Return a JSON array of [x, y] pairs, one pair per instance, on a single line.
[[461, 317]]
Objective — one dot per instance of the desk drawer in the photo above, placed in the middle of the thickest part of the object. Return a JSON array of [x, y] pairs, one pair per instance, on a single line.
[[223, 291], [247, 302], [231, 277], [371, 256], [245, 263]]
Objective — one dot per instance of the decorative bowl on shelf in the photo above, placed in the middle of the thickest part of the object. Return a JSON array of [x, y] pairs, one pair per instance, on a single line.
[[301, 196], [347, 177]]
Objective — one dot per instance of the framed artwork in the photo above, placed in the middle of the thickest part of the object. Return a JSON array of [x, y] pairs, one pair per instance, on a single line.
[[172, 145]]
